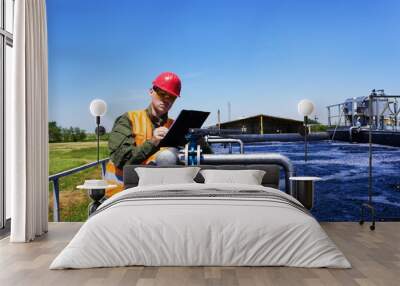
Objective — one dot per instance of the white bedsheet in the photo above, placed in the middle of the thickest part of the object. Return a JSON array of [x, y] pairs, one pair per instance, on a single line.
[[200, 231]]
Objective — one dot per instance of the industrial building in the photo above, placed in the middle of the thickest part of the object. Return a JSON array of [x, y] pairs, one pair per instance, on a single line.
[[263, 124]]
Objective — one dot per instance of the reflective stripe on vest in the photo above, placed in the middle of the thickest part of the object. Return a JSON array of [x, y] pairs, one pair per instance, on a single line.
[[142, 130], [113, 176]]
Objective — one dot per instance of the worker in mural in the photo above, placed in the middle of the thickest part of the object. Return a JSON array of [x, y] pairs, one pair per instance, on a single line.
[[135, 136]]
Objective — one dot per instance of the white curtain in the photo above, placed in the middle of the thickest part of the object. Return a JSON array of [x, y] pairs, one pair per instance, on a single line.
[[27, 123]]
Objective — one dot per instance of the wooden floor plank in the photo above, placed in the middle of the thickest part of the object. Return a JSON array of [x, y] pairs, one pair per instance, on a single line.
[[375, 257]]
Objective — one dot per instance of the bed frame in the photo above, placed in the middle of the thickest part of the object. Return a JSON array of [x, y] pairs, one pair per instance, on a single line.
[[270, 179]]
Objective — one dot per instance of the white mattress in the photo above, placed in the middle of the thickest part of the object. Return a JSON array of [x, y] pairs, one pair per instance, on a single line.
[[189, 231]]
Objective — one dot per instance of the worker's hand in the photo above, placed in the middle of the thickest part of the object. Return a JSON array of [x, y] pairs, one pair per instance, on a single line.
[[158, 134]]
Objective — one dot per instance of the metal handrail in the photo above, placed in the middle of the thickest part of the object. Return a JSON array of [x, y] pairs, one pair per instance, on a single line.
[[229, 141], [56, 186], [251, 159], [336, 127]]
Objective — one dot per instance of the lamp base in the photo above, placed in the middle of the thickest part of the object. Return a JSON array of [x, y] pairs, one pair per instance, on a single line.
[[98, 197], [372, 209]]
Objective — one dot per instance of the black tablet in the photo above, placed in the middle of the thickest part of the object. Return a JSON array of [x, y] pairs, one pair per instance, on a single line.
[[186, 119]]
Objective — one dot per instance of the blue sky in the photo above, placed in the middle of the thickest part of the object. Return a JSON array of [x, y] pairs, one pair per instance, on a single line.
[[261, 56]]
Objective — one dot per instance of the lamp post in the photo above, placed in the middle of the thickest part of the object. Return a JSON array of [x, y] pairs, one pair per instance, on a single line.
[[373, 96], [98, 108], [305, 108]]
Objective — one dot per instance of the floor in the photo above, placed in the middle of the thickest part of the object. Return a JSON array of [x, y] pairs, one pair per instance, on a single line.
[[375, 256]]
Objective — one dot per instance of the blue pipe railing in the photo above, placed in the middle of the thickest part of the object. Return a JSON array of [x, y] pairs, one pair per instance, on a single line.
[[56, 187]]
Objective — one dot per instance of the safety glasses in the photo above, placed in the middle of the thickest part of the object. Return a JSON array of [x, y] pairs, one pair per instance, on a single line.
[[164, 96]]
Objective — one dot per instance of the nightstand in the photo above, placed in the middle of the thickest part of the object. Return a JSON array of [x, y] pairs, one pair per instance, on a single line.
[[96, 190], [304, 190]]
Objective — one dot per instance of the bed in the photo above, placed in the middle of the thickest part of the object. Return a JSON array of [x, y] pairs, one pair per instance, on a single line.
[[198, 224]]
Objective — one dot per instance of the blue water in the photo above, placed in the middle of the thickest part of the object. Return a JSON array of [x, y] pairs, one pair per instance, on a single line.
[[343, 168]]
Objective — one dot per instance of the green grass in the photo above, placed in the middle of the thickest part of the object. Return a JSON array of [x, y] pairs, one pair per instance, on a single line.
[[319, 128], [64, 156]]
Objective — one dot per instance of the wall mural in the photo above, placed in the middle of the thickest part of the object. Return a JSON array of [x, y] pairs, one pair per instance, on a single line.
[[256, 77]]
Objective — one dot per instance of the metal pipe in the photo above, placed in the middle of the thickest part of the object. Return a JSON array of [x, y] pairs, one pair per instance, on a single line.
[[369, 205], [386, 96], [254, 159], [305, 138], [329, 116], [370, 155], [77, 169], [395, 115], [98, 138], [56, 200], [56, 184], [351, 132], [280, 137], [226, 140]]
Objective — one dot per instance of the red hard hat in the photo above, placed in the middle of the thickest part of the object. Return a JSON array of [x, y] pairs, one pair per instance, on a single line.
[[168, 82]]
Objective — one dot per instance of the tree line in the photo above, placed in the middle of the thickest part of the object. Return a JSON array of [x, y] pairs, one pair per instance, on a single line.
[[60, 134], [71, 134]]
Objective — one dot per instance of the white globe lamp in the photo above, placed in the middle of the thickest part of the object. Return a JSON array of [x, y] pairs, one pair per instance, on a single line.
[[98, 107], [305, 107]]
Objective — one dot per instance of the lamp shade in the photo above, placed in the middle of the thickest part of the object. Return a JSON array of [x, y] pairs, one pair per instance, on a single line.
[[305, 107], [98, 107]]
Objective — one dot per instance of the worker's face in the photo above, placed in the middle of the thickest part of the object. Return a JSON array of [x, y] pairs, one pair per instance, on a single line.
[[161, 100]]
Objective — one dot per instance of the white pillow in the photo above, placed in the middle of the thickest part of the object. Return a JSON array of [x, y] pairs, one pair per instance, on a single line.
[[249, 177], [165, 176]]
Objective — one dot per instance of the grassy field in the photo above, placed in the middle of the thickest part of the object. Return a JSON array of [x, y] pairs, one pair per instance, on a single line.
[[64, 156]]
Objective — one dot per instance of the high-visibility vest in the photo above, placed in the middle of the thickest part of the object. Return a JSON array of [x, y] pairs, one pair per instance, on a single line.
[[142, 130]]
